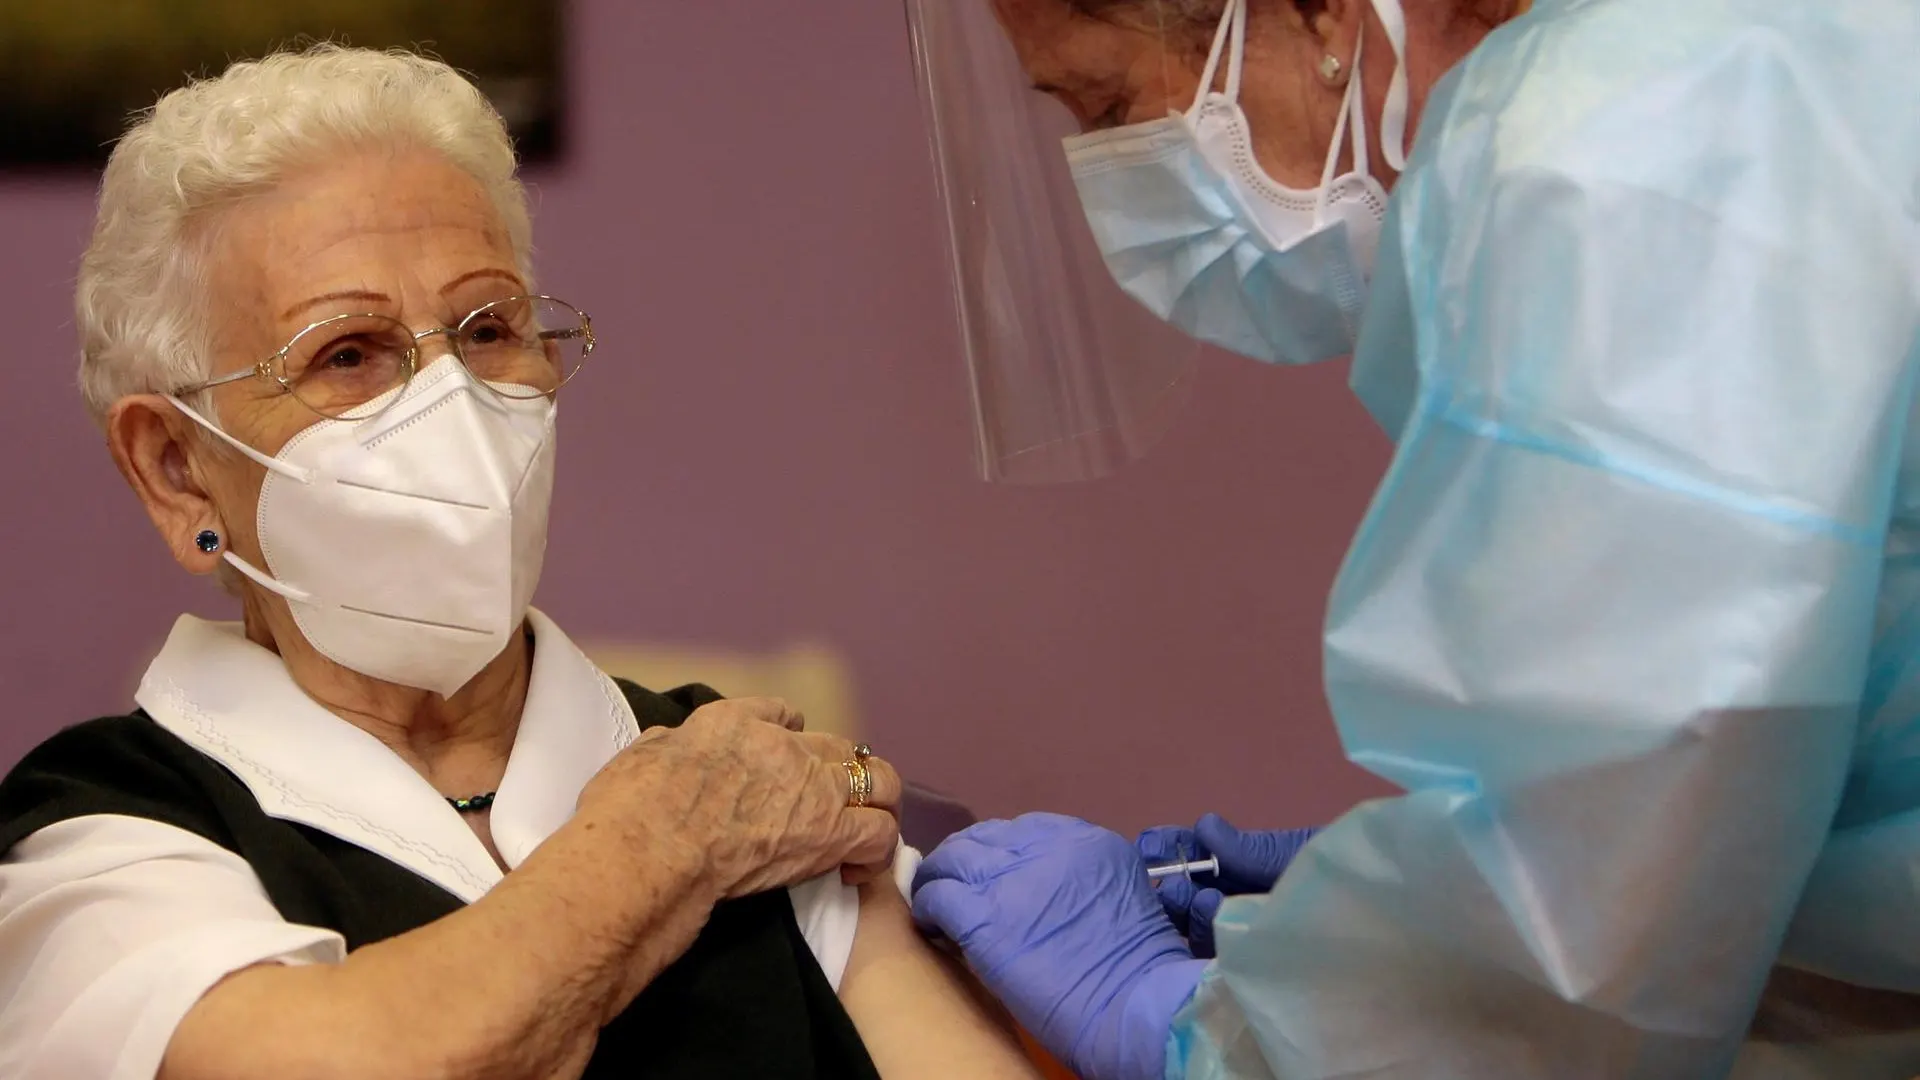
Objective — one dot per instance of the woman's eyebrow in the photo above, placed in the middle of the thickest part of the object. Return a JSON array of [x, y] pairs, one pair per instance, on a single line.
[[472, 275], [382, 298], [327, 298]]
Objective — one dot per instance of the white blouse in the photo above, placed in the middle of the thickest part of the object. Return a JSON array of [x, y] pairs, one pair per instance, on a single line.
[[112, 927]]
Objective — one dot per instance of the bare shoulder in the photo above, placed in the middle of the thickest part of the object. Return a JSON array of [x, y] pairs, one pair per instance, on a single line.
[[919, 1012]]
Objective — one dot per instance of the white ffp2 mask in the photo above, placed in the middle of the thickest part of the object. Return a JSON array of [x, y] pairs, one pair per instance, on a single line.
[[408, 544]]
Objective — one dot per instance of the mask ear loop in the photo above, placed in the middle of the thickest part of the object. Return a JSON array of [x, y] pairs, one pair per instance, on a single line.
[[1353, 118], [291, 472], [1237, 50], [261, 578], [1234, 11], [1393, 118]]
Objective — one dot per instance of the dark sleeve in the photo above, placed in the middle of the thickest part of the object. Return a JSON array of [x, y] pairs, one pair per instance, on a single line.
[[654, 709], [115, 765]]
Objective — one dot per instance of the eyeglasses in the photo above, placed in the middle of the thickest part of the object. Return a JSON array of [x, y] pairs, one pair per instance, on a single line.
[[520, 347]]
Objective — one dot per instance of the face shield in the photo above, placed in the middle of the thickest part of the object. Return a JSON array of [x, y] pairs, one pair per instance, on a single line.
[[1071, 377]]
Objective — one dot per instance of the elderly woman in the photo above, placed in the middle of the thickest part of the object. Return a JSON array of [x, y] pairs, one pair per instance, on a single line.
[[394, 823]]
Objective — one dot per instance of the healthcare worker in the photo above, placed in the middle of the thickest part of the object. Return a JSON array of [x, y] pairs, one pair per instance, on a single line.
[[1634, 618]]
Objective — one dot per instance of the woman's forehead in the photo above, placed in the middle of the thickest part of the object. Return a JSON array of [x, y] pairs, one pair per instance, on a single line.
[[361, 216], [1061, 45], [368, 195]]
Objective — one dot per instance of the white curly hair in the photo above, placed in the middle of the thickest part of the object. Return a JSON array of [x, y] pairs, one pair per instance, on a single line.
[[140, 298]]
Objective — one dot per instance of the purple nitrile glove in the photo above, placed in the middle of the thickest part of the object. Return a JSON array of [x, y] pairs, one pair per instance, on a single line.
[[1250, 862], [1056, 917]]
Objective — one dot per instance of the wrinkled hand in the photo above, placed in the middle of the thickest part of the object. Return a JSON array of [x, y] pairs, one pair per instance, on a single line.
[[1250, 862], [741, 789], [1056, 917]]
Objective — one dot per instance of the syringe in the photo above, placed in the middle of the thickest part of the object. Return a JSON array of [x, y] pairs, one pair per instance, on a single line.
[[1185, 868]]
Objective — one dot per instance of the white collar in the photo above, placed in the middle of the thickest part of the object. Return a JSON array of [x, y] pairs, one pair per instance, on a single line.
[[235, 702]]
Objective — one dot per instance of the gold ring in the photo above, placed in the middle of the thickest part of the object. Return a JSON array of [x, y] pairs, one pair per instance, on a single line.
[[859, 782]]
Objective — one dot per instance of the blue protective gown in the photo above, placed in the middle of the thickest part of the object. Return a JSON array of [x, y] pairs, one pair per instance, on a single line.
[[1635, 615]]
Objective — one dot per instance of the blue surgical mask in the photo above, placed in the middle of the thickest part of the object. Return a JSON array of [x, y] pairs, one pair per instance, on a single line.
[[1193, 228]]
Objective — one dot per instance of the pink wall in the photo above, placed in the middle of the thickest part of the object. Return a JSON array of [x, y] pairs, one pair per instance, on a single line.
[[773, 445]]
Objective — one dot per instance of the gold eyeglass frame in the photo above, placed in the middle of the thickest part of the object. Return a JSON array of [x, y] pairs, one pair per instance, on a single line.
[[271, 367]]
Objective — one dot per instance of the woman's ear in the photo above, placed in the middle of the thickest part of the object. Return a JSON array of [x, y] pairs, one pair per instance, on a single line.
[[151, 442]]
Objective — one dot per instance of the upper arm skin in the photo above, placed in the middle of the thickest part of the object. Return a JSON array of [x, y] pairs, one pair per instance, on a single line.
[[919, 1013]]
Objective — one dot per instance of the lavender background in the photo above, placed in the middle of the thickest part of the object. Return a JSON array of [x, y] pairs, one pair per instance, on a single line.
[[773, 446]]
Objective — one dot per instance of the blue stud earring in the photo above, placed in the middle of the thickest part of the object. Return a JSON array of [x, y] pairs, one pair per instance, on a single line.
[[208, 541]]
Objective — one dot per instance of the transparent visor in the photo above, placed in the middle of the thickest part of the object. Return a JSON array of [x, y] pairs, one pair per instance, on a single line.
[[1071, 377]]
